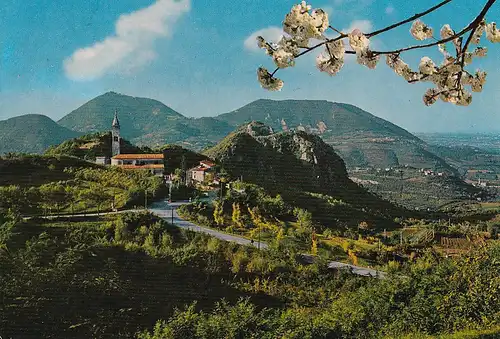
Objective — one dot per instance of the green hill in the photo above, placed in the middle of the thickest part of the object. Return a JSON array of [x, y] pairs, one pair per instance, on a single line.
[[92, 145], [31, 133], [145, 122], [305, 171], [361, 138]]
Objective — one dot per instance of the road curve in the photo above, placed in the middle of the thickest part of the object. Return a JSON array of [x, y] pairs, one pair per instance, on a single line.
[[164, 211]]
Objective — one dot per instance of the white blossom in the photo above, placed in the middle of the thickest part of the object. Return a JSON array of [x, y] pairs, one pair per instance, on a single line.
[[289, 45], [466, 78], [319, 22], [283, 59], [358, 41], [446, 32], [329, 64], [454, 68], [336, 48], [398, 65], [464, 98], [421, 31], [480, 52], [430, 96], [410, 75], [449, 96], [367, 58], [476, 37], [467, 58], [263, 44], [492, 32], [302, 26], [478, 81], [267, 81], [451, 81], [426, 66]]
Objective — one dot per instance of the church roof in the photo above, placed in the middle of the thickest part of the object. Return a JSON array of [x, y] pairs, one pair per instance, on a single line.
[[116, 123], [138, 156], [148, 166]]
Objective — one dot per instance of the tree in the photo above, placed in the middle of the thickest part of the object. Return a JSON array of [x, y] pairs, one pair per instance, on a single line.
[[53, 195], [302, 27], [304, 218], [236, 216], [219, 213]]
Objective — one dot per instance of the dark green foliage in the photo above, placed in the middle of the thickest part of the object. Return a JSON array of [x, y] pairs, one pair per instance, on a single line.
[[117, 276], [31, 133], [45, 184], [434, 297], [108, 278], [306, 172], [178, 157], [94, 145], [35, 170]]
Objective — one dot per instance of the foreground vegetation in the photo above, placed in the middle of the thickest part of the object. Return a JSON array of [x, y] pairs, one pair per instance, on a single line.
[[116, 276], [35, 185]]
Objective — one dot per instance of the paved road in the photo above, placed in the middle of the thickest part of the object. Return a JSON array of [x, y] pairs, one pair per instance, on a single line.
[[164, 210], [58, 216]]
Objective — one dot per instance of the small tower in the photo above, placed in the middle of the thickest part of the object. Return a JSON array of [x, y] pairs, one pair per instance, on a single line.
[[115, 136]]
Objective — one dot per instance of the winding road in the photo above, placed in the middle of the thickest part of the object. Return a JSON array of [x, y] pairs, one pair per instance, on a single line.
[[164, 210], [168, 212]]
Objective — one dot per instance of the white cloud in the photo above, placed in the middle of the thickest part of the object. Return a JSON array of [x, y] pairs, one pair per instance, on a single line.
[[272, 33], [132, 44], [364, 26], [389, 10]]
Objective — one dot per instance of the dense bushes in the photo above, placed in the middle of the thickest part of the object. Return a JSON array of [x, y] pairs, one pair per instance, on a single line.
[[121, 274], [433, 296], [83, 189]]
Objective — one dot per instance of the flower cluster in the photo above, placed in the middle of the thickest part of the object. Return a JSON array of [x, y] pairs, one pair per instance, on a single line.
[[421, 31], [332, 59], [267, 81], [302, 25], [361, 45]]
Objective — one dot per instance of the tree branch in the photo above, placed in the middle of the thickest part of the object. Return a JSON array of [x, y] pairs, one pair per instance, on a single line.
[[476, 23], [472, 26], [416, 16]]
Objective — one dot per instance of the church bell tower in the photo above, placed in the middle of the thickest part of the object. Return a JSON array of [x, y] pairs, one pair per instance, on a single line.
[[115, 135]]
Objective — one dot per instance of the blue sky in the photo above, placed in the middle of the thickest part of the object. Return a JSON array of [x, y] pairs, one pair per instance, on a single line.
[[192, 56]]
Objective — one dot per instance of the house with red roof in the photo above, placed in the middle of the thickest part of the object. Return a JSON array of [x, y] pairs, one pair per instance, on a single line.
[[202, 173], [151, 162]]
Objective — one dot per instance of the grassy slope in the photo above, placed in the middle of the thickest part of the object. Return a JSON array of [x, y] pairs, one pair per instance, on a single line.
[[31, 133], [274, 163]]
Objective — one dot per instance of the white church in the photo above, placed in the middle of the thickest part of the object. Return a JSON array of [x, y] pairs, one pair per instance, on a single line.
[[151, 162]]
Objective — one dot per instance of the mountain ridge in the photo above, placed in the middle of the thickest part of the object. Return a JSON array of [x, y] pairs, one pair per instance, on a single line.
[[362, 139], [32, 133]]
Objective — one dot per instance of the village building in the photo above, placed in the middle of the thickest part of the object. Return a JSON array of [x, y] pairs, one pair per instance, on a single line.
[[152, 162], [202, 173]]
